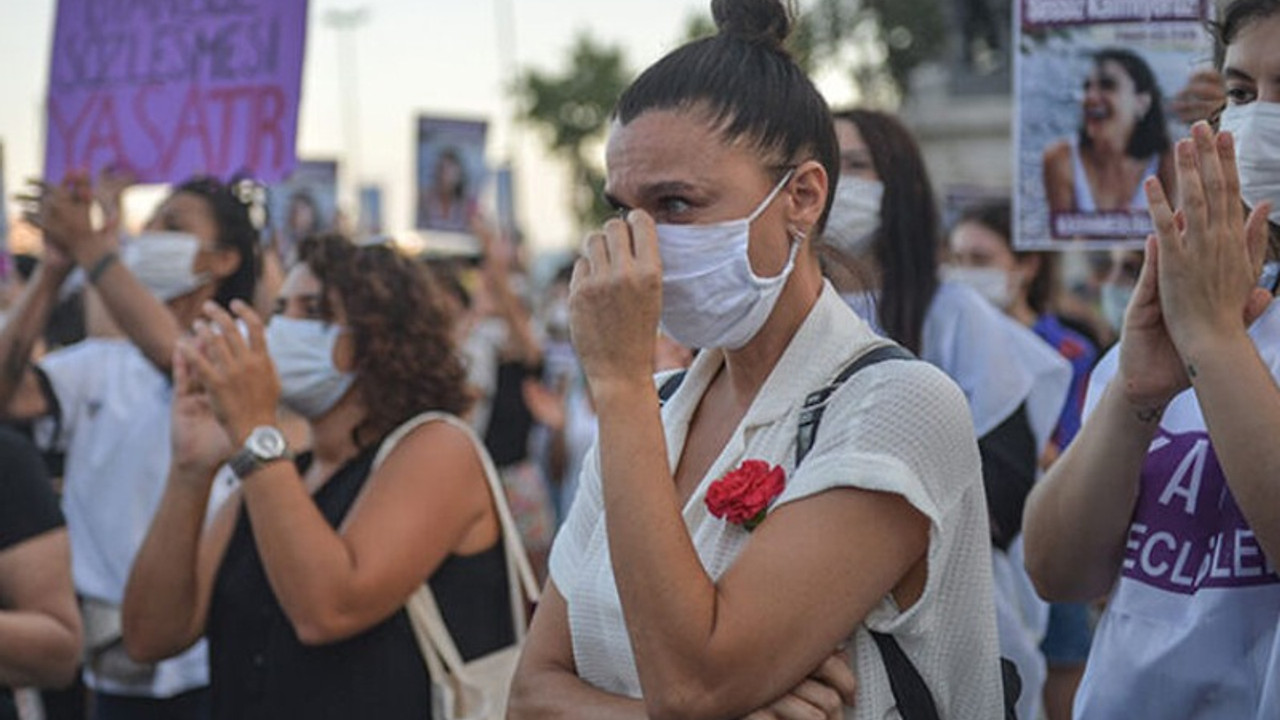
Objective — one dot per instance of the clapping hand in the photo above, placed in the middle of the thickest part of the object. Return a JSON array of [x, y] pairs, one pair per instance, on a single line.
[[1210, 255], [200, 444], [62, 212], [235, 371]]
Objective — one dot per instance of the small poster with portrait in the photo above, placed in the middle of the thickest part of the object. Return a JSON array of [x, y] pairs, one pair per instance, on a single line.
[[1094, 114], [305, 204], [451, 172]]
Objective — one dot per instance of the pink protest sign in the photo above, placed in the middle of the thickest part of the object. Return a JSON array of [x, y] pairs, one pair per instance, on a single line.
[[175, 88]]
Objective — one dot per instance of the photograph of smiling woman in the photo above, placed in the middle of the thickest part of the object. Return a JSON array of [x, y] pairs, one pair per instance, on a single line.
[[1123, 139]]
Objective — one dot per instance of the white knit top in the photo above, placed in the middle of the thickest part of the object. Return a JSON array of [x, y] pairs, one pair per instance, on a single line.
[[897, 427]]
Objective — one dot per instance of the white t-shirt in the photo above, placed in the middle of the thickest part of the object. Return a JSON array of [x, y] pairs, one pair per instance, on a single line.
[[1190, 631], [896, 427], [1000, 365], [115, 429]]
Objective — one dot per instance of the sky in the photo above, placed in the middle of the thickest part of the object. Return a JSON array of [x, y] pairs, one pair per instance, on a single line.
[[412, 56]]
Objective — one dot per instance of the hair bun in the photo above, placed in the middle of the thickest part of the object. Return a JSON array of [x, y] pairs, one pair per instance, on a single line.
[[767, 22]]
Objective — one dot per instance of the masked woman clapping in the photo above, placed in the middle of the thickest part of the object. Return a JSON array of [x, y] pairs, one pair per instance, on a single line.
[[300, 579]]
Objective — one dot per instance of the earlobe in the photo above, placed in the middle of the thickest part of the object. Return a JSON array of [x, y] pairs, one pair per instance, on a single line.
[[224, 263], [344, 352]]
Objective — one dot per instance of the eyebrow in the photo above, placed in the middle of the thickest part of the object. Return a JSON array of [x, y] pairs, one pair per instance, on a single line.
[[656, 190], [1236, 74]]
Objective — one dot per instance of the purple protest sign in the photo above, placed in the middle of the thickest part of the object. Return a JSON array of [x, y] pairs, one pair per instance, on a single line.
[[170, 89]]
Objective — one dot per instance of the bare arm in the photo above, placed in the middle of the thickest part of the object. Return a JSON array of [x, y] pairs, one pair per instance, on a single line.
[[546, 684], [40, 624], [1079, 512], [496, 268], [20, 395], [1059, 178], [1210, 262], [166, 601]]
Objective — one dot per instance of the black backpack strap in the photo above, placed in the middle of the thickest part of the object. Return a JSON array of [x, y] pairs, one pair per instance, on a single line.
[[670, 386], [910, 692], [816, 403]]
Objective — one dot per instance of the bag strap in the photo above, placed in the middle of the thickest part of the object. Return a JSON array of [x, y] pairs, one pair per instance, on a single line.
[[910, 692], [816, 402], [434, 640]]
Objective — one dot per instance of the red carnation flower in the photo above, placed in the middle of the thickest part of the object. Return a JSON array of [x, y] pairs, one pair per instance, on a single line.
[[743, 495]]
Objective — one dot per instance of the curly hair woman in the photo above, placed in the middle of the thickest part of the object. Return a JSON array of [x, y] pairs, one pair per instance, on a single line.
[[300, 578]]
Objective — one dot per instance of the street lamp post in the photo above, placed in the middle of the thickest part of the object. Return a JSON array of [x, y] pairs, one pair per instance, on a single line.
[[344, 23]]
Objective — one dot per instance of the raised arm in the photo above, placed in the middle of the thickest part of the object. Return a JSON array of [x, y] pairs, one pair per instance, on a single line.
[[166, 601], [20, 393], [140, 315], [1210, 264]]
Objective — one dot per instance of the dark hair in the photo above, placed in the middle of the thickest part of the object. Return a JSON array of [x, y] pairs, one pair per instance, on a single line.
[[405, 359], [750, 87], [453, 155], [235, 231], [906, 246], [1236, 17], [996, 216], [1151, 134]]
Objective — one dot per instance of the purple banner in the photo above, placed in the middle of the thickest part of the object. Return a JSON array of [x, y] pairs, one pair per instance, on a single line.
[[168, 89], [1188, 532]]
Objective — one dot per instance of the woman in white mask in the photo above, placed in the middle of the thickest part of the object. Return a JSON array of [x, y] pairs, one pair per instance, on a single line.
[[105, 401], [703, 570], [1167, 498], [888, 271], [299, 581]]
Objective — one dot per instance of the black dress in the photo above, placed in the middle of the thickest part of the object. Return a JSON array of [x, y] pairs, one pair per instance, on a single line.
[[259, 669]]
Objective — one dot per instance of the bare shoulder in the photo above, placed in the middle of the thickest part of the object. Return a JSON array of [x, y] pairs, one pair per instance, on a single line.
[[436, 448], [1057, 153]]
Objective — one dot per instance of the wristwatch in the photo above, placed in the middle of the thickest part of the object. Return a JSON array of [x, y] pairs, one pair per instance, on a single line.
[[263, 446]]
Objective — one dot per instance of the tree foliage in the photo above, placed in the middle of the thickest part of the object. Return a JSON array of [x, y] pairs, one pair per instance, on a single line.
[[572, 109]]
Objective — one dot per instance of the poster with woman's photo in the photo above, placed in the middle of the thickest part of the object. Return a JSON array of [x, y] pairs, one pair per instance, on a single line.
[[305, 204], [1094, 82], [451, 172]]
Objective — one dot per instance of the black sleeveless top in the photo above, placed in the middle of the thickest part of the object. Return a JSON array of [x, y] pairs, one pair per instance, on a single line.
[[259, 669]]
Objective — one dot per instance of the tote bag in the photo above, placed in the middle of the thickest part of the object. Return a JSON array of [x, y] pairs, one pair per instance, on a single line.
[[475, 690]]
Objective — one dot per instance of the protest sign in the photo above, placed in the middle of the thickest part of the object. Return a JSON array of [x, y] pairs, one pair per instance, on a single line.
[[451, 172], [167, 90], [305, 204], [370, 210], [1093, 81]]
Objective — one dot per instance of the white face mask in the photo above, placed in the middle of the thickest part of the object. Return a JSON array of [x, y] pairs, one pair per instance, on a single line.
[[164, 262], [1256, 129], [711, 298], [991, 283], [1115, 302], [302, 351], [855, 215]]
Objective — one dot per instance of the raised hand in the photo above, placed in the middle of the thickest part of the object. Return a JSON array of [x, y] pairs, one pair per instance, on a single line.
[[1151, 370], [63, 214], [236, 372], [615, 301], [1210, 254], [200, 444]]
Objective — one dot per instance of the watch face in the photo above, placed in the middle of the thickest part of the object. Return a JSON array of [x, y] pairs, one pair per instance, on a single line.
[[266, 442]]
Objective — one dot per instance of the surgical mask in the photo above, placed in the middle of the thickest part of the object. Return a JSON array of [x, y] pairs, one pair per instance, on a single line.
[[855, 215], [1115, 302], [1256, 129], [302, 351], [163, 262], [711, 298], [991, 283]]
